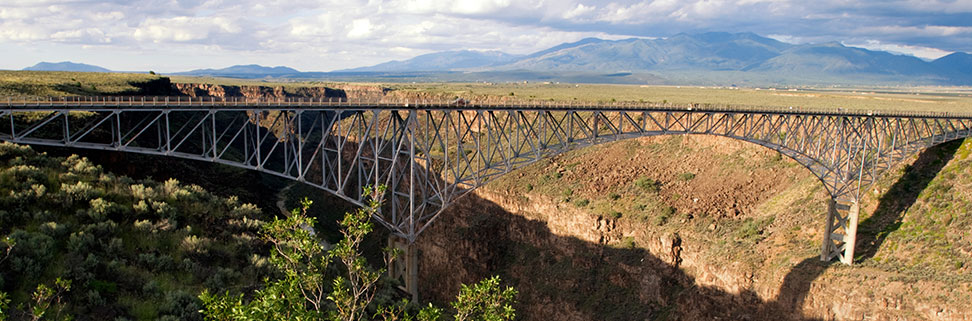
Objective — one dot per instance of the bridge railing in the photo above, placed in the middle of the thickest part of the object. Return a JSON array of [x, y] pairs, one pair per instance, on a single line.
[[81, 102]]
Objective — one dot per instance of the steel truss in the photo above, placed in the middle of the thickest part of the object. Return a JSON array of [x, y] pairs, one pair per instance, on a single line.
[[430, 154]]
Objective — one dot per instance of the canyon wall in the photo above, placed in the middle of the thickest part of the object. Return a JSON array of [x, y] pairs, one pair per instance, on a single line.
[[572, 262]]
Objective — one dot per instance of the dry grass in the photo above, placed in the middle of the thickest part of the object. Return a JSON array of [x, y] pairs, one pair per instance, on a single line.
[[885, 99], [57, 83], [928, 99]]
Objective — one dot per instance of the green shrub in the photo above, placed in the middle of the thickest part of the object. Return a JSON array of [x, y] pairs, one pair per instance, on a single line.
[[752, 229], [32, 253], [664, 214], [582, 202], [614, 196], [646, 184], [78, 191], [195, 244], [686, 176]]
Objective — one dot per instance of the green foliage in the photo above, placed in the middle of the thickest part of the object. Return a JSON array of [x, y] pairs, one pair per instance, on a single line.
[[614, 196], [352, 293], [299, 294], [686, 176], [303, 265], [664, 214], [400, 312], [752, 229], [582, 202], [48, 299], [647, 184], [127, 250], [485, 301], [4, 304], [614, 214]]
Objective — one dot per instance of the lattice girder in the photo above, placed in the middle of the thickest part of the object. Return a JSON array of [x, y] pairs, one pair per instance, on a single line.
[[429, 155]]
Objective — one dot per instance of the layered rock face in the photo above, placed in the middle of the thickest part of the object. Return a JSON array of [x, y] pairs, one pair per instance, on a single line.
[[256, 92]]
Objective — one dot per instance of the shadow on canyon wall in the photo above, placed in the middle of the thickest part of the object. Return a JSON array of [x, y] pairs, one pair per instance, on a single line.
[[562, 277]]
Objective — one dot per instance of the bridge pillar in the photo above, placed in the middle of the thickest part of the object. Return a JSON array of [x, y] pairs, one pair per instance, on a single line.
[[405, 267], [840, 233]]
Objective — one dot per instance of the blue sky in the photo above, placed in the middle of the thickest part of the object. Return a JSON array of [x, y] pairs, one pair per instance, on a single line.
[[322, 35]]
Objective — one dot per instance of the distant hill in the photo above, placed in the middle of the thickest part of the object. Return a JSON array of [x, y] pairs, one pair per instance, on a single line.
[[957, 65], [243, 71], [66, 66], [836, 58], [696, 58], [708, 51], [442, 61]]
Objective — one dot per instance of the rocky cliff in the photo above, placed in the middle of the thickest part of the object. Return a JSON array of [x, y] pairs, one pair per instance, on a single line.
[[256, 92]]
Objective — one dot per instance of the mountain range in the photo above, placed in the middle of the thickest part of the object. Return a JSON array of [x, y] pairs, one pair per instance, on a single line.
[[712, 52], [705, 58], [66, 66]]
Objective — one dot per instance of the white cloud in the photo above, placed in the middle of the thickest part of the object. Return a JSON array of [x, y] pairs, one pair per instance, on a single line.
[[360, 28], [917, 51], [579, 11], [313, 33], [927, 31], [183, 29], [86, 35]]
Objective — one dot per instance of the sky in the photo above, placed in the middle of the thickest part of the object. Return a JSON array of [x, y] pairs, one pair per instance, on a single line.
[[325, 35]]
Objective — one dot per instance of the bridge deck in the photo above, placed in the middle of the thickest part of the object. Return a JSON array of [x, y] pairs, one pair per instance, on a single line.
[[187, 104]]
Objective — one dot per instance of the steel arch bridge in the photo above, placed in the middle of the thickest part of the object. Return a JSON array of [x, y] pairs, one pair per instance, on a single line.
[[431, 153]]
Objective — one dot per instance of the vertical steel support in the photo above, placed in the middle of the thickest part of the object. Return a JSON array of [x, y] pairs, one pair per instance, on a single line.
[[827, 246], [840, 233], [850, 238], [405, 268], [843, 210]]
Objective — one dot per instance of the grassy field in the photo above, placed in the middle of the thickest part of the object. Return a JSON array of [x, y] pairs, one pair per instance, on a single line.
[[48, 83], [887, 99], [929, 99]]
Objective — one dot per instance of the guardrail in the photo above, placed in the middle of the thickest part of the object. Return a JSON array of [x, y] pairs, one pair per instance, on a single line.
[[83, 102]]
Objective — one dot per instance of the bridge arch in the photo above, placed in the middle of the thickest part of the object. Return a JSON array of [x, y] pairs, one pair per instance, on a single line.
[[430, 154]]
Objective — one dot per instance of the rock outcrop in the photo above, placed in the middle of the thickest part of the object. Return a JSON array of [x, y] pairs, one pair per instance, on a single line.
[[256, 92]]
